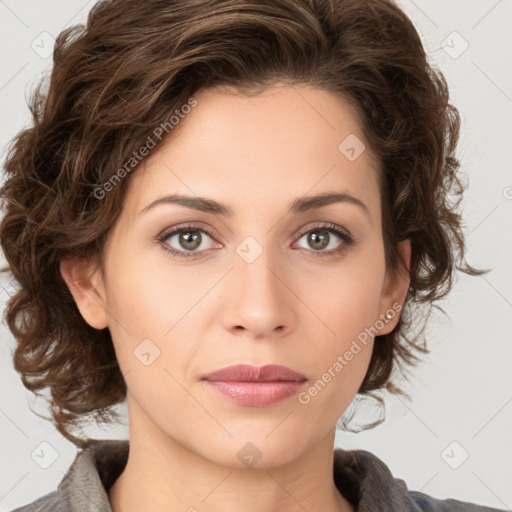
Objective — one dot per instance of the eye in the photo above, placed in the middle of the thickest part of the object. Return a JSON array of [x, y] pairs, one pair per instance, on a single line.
[[190, 241], [321, 237], [185, 241]]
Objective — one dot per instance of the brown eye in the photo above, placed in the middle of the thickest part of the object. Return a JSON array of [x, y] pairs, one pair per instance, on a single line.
[[325, 240], [186, 241], [189, 240], [319, 239]]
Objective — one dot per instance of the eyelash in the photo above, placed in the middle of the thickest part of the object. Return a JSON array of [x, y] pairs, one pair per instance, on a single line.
[[331, 228]]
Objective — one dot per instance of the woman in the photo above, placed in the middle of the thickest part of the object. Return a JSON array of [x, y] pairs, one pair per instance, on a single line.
[[227, 213]]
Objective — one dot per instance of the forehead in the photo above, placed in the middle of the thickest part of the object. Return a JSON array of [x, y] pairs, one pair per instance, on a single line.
[[261, 151]]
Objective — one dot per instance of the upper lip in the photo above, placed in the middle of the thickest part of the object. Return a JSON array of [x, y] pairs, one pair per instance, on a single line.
[[249, 373]]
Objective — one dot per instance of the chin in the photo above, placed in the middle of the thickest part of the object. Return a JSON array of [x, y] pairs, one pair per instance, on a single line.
[[258, 450]]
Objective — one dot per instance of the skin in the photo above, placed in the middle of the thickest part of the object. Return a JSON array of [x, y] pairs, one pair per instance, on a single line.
[[290, 306]]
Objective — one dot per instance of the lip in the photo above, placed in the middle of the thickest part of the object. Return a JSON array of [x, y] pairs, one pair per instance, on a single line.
[[250, 373], [255, 386]]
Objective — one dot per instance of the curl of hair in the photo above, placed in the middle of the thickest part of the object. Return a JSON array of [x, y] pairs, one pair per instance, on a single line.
[[117, 78]]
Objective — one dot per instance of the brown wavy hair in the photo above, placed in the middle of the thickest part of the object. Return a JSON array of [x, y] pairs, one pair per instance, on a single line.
[[117, 78]]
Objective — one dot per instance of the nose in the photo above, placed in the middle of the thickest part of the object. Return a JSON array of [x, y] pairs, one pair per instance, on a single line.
[[260, 302]]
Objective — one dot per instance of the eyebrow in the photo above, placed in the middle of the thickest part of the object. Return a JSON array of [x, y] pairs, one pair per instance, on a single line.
[[300, 205]]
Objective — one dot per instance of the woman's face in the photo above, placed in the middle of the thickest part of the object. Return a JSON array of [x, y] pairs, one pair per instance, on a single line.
[[263, 283]]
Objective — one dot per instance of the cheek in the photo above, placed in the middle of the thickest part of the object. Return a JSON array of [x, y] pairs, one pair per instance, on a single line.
[[138, 310], [146, 298], [339, 361], [154, 311], [346, 297], [347, 301]]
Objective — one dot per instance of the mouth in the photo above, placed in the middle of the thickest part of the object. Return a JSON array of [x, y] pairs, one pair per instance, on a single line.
[[255, 386]]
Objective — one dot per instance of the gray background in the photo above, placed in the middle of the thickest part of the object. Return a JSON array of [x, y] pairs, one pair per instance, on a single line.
[[462, 395]]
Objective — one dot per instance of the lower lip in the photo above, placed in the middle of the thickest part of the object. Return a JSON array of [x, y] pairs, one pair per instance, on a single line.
[[255, 394]]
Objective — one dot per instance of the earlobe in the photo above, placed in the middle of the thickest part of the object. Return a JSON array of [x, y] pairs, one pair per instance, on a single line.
[[395, 289], [85, 283]]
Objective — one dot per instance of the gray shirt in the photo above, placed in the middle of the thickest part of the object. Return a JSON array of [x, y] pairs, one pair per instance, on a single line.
[[361, 477]]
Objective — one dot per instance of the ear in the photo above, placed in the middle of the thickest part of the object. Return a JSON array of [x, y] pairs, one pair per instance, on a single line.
[[85, 282], [395, 289]]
